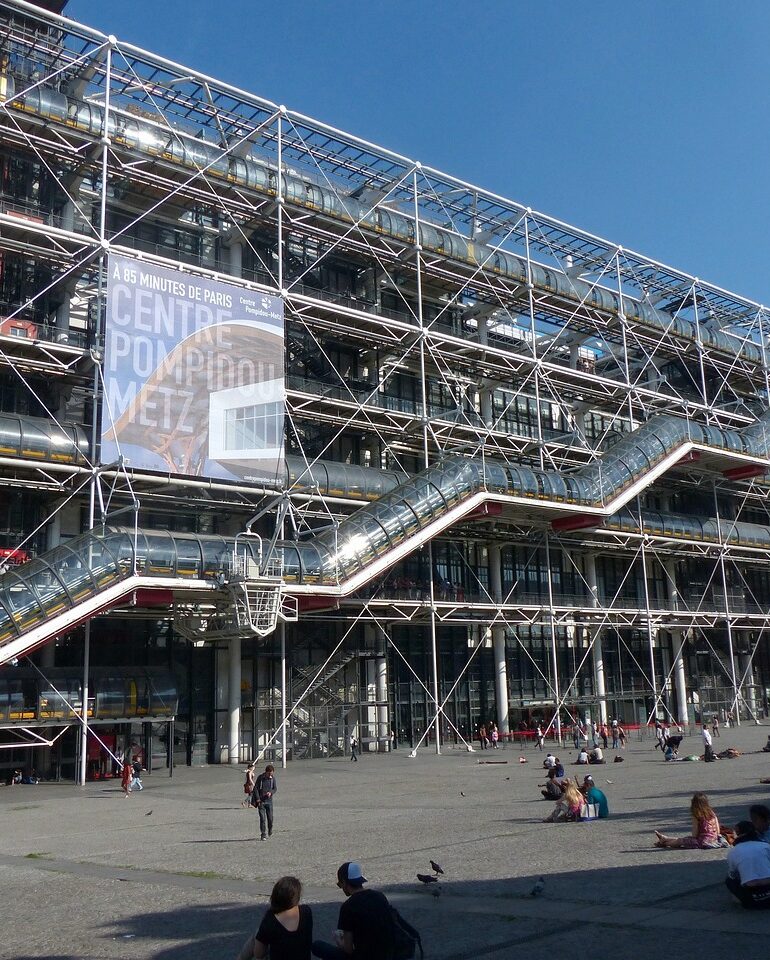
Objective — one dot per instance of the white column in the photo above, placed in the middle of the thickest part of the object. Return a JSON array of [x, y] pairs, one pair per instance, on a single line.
[[597, 653], [383, 727], [747, 673], [498, 640], [234, 701], [678, 642]]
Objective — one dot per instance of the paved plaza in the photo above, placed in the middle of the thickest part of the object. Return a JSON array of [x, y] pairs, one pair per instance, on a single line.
[[178, 873]]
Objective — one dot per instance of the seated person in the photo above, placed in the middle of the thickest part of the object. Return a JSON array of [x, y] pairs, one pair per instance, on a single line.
[[759, 815], [596, 756], [594, 795], [553, 787], [558, 767], [766, 748], [550, 761], [705, 829], [748, 868], [669, 753], [582, 756], [568, 807]]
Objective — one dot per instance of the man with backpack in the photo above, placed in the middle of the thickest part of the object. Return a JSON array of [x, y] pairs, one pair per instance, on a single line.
[[369, 928]]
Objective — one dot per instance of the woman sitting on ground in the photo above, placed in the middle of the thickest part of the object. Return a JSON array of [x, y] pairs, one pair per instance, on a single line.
[[705, 829], [582, 757], [286, 930], [559, 768], [568, 807]]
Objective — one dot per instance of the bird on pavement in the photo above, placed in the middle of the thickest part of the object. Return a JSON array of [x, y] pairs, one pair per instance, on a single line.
[[149, 813], [462, 794], [523, 760], [435, 867], [425, 878], [538, 888]]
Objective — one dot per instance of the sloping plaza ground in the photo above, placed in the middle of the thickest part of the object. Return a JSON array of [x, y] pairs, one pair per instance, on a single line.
[[177, 872]]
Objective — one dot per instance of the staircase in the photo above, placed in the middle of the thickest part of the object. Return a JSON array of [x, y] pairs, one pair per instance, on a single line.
[[319, 722]]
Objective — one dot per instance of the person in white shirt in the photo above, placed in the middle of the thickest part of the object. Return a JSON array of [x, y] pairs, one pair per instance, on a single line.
[[708, 751], [748, 868], [550, 761]]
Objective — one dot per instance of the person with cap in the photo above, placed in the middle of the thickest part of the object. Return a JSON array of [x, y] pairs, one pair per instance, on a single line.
[[265, 788], [594, 795], [365, 926], [748, 868]]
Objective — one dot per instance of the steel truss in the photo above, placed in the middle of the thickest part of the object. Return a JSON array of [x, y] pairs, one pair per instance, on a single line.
[[425, 317]]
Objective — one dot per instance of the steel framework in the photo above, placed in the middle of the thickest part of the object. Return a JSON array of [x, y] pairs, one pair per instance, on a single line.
[[426, 318]]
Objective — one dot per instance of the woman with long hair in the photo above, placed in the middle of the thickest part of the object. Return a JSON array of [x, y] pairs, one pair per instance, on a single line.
[[705, 828], [286, 929], [568, 807]]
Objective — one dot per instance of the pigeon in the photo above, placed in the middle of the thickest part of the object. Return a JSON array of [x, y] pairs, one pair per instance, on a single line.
[[609, 781], [538, 888], [435, 867], [507, 778], [425, 878], [462, 794], [149, 813]]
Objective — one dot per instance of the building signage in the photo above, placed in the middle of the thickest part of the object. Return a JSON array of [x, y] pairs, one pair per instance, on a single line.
[[193, 373]]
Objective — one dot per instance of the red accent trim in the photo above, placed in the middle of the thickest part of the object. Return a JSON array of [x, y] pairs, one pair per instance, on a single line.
[[307, 604], [153, 598], [581, 522], [744, 473]]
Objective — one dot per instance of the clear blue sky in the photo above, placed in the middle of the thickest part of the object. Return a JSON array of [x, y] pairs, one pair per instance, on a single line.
[[646, 123]]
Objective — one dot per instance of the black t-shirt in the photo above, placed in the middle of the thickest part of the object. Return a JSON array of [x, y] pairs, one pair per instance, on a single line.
[[286, 945], [367, 916]]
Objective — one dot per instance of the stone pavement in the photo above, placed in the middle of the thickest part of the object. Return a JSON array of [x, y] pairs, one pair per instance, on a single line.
[[177, 872]]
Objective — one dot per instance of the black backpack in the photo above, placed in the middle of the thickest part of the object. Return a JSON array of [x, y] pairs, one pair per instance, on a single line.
[[406, 940]]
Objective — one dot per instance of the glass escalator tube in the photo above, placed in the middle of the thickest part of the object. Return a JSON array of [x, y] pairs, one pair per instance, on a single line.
[[495, 477]]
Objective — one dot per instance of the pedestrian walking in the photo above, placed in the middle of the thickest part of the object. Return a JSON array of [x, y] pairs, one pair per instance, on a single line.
[[540, 737], [715, 726], [248, 785], [494, 736], [353, 749], [615, 738], [136, 778], [265, 788], [622, 737], [483, 736], [708, 748], [126, 777]]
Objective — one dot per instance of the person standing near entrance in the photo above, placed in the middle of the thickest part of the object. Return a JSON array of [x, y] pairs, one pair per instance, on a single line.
[[265, 788], [708, 749], [353, 749]]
